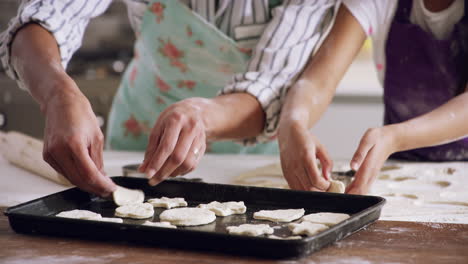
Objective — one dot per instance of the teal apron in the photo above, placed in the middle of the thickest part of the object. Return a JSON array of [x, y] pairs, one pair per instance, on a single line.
[[178, 55]]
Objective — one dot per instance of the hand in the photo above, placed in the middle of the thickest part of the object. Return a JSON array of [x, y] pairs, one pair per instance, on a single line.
[[375, 147], [73, 141], [177, 141], [299, 151]]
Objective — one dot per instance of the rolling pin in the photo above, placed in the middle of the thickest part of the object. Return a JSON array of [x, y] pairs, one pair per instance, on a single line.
[[26, 152]]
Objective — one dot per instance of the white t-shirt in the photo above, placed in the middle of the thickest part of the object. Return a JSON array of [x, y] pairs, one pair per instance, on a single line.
[[376, 16]]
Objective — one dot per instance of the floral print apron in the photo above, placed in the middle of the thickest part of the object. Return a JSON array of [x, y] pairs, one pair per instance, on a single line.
[[178, 55]]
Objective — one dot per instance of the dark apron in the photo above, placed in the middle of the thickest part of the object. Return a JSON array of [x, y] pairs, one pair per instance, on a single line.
[[422, 73]]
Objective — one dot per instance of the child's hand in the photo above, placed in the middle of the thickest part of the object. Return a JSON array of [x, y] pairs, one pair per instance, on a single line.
[[299, 151], [375, 147]]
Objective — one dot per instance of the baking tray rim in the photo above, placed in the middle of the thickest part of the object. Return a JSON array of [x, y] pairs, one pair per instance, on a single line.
[[9, 211]]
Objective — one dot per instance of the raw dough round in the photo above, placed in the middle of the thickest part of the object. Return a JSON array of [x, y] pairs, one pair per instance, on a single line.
[[336, 187], [159, 224], [80, 214], [188, 216], [124, 196], [135, 211], [282, 215], [328, 219]]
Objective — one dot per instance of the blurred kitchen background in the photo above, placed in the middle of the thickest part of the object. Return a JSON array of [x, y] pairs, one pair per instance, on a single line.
[[107, 48]]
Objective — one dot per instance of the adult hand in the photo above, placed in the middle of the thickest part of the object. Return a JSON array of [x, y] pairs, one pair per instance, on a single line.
[[375, 147], [177, 141], [299, 151], [73, 141]]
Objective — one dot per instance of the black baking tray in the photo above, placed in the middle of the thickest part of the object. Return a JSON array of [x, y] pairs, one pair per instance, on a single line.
[[38, 217]]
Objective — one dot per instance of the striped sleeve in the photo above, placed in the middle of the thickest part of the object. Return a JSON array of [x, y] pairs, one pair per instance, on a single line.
[[280, 55], [66, 20]]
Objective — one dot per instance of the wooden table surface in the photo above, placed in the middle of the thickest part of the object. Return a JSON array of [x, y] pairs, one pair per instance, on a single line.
[[381, 242]]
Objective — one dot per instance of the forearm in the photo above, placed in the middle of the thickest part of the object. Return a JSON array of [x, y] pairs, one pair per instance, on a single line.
[[36, 59], [442, 125], [305, 103], [309, 97], [232, 116]]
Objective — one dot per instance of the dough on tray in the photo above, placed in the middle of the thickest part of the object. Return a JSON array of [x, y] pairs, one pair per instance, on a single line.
[[336, 187], [111, 219], [250, 230], [124, 196], [167, 203], [306, 228], [281, 215], [226, 208], [188, 216], [135, 211], [159, 224], [284, 238], [80, 214], [328, 219]]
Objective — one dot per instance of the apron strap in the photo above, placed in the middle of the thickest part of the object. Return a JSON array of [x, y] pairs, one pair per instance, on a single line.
[[465, 15], [403, 11]]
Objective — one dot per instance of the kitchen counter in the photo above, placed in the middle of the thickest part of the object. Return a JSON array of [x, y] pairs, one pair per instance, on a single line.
[[381, 242], [420, 192]]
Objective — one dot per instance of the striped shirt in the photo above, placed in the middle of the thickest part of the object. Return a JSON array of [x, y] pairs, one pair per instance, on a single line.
[[282, 38]]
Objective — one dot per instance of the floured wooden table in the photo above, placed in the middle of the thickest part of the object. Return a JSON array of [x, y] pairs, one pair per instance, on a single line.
[[382, 242]]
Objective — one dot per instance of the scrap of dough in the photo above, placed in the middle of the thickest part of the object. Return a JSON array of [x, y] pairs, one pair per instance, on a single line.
[[284, 238], [306, 228], [226, 208], [80, 214], [135, 211], [188, 216], [111, 219], [328, 219], [124, 196], [159, 224], [167, 203], [250, 230], [336, 187], [282, 215]]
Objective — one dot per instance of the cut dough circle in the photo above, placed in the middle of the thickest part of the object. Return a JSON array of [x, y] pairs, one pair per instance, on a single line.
[[124, 196], [281, 215], [336, 187], [306, 228], [284, 238], [328, 219], [188, 216], [226, 208], [167, 203], [135, 211], [159, 224], [80, 214], [250, 230], [111, 219]]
